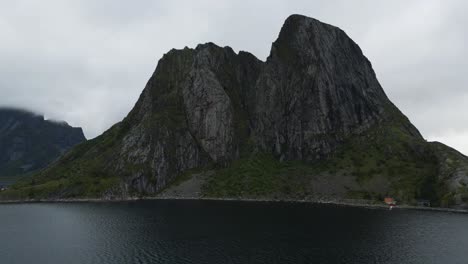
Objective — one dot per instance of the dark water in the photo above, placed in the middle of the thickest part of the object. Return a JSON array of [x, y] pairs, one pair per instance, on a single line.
[[227, 232]]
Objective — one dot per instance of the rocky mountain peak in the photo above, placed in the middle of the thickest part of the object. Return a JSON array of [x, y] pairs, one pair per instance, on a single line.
[[315, 84], [300, 34], [315, 101]]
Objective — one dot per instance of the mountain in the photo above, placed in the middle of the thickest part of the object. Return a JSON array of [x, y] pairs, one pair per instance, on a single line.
[[311, 122], [28, 142]]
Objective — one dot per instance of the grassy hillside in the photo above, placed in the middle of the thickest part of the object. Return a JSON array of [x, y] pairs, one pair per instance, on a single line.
[[79, 173], [385, 161]]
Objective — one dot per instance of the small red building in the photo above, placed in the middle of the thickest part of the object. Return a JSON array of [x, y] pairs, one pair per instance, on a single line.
[[389, 201]]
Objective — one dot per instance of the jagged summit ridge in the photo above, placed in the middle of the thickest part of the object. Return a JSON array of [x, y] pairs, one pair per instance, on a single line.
[[313, 68], [207, 104], [324, 83]]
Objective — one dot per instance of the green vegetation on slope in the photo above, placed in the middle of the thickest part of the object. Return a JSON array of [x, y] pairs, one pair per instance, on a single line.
[[403, 165], [89, 170], [453, 169], [388, 153], [79, 173], [260, 175], [386, 160]]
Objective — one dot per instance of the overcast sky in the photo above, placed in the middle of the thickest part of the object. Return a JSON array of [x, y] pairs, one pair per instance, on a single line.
[[86, 62]]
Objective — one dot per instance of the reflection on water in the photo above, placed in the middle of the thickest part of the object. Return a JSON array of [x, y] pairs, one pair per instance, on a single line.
[[227, 232]]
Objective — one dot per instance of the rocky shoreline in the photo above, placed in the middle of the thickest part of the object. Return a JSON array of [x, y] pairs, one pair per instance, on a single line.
[[346, 203]]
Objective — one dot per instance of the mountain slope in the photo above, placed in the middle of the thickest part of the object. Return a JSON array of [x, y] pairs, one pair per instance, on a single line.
[[312, 121], [28, 142]]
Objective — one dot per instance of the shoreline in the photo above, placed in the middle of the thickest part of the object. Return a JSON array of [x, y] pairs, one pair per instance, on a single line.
[[346, 203]]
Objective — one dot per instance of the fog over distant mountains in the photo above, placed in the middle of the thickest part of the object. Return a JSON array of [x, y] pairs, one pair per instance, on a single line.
[[28, 142]]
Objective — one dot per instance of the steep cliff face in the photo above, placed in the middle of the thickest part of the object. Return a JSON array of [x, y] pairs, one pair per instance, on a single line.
[[316, 89], [28, 142], [312, 120], [192, 113]]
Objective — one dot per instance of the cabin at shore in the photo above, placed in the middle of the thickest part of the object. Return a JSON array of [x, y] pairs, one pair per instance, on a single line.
[[389, 201]]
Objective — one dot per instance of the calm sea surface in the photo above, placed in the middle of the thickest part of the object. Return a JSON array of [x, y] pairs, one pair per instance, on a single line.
[[227, 232]]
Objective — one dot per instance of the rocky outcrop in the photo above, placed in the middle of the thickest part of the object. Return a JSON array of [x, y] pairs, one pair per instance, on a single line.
[[28, 142], [193, 112], [316, 89], [453, 172], [315, 100]]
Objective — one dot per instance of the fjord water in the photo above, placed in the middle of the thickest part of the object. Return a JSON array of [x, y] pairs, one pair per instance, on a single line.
[[227, 232]]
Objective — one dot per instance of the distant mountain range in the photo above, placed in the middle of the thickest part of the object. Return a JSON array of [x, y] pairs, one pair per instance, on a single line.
[[311, 122], [29, 143]]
